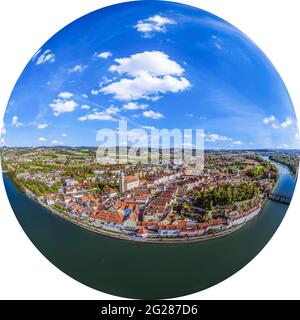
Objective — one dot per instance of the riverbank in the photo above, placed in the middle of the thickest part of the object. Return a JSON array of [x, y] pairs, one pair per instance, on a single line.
[[293, 174], [189, 238], [121, 236], [212, 236]]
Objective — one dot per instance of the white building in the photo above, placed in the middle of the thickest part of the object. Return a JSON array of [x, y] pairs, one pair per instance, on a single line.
[[71, 182], [131, 182]]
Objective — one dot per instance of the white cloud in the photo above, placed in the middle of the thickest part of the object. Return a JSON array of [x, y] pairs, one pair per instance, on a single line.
[[42, 125], [42, 139], [107, 114], [94, 92], [213, 137], [77, 68], [145, 86], [217, 42], [154, 98], [238, 142], [15, 122], [153, 24], [103, 55], [46, 56], [152, 114], [151, 73], [269, 119], [84, 95], [190, 115], [61, 106], [96, 116], [104, 81], [286, 123], [63, 135], [3, 130], [218, 46], [112, 110], [65, 95], [154, 63], [85, 106], [284, 146], [3, 133], [276, 124], [57, 142], [135, 106]]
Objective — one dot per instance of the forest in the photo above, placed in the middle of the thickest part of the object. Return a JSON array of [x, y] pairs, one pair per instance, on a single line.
[[289, 160], [225, 195]]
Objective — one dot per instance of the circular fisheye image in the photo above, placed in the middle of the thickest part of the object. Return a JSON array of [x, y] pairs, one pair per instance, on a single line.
[[149, 150]]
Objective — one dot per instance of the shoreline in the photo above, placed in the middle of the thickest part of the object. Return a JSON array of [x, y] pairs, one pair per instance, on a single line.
[[207, 237], [120, 236], [294, 175], [136, 239]]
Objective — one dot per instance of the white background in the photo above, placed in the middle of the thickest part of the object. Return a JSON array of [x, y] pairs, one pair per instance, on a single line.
[[26, 25]]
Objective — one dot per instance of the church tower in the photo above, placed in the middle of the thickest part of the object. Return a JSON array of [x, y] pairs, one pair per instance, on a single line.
[[122, 182]]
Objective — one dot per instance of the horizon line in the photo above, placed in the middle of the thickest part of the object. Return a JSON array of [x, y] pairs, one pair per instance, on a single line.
[[216, 149]]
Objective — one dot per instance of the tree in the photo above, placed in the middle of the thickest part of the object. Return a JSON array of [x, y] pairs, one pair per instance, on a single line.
[[186, 206], [225, 195]]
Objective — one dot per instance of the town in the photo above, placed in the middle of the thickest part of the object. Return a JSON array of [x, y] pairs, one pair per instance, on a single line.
[[145, 202]]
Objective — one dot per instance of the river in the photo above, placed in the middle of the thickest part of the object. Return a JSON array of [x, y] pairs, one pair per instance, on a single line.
[[146, 271]]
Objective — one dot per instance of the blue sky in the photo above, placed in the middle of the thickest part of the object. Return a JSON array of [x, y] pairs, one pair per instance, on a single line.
[[155, 64]]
